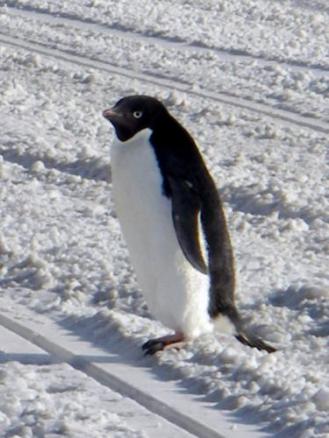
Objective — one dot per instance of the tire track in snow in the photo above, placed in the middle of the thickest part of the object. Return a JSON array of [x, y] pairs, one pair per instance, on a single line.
[[91, 369], [131, 380], [15, 348], [44, 16], [67, 56]]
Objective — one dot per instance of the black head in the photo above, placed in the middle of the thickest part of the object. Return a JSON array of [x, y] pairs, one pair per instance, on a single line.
[[131, 114]]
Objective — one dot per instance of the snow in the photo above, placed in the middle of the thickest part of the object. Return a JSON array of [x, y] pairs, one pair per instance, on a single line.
[[53, 399], [61, 251]]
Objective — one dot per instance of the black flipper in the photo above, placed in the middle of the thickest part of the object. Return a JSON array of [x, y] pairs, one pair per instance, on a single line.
[[185, 213]]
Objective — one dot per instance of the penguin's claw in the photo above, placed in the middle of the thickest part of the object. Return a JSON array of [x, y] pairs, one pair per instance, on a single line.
[[154, 345]]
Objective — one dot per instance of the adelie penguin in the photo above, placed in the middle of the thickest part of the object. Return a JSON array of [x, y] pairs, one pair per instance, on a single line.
[[173, 222]]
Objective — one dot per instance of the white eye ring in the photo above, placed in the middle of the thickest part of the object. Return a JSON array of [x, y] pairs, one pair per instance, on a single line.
[[137, 114]]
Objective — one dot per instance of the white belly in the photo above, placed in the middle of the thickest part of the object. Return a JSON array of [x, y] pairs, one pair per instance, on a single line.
[[175, 292]]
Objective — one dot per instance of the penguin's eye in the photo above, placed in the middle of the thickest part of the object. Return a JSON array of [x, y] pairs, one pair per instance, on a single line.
[[137, 114]]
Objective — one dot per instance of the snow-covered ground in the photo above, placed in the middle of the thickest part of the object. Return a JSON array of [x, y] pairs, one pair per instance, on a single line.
[[47, 398], [250, 80]]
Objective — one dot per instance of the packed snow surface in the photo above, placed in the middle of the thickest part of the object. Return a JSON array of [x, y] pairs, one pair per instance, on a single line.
[[61, 249]]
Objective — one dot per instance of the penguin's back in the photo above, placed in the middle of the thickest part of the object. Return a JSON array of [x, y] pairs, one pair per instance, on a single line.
[[176, 293]]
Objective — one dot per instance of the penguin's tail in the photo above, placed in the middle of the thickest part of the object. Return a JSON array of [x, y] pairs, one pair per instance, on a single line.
[[254, 342], [230, 322], [227, 319]]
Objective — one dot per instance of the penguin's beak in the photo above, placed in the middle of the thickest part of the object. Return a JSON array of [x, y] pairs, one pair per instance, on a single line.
[[112, 115], [120, 122]]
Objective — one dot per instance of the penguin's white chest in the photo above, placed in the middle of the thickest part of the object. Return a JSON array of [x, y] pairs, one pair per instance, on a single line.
[[175, 292]]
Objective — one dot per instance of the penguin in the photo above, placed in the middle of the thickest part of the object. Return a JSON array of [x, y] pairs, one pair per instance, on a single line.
[[173, 222]]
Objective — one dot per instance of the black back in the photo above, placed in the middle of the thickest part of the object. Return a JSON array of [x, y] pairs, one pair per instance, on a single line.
[[182, 165]]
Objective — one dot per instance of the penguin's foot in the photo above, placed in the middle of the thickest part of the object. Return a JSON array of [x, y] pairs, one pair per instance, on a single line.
[[154, 345]]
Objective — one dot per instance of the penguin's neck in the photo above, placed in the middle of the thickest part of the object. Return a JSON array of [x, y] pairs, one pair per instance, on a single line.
[[140, 138]]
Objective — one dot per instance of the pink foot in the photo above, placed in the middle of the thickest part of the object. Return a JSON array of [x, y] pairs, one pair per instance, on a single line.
[[154, 345]]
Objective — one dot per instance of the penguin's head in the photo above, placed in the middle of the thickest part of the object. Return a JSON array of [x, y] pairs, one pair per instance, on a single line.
[[131, 114]]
